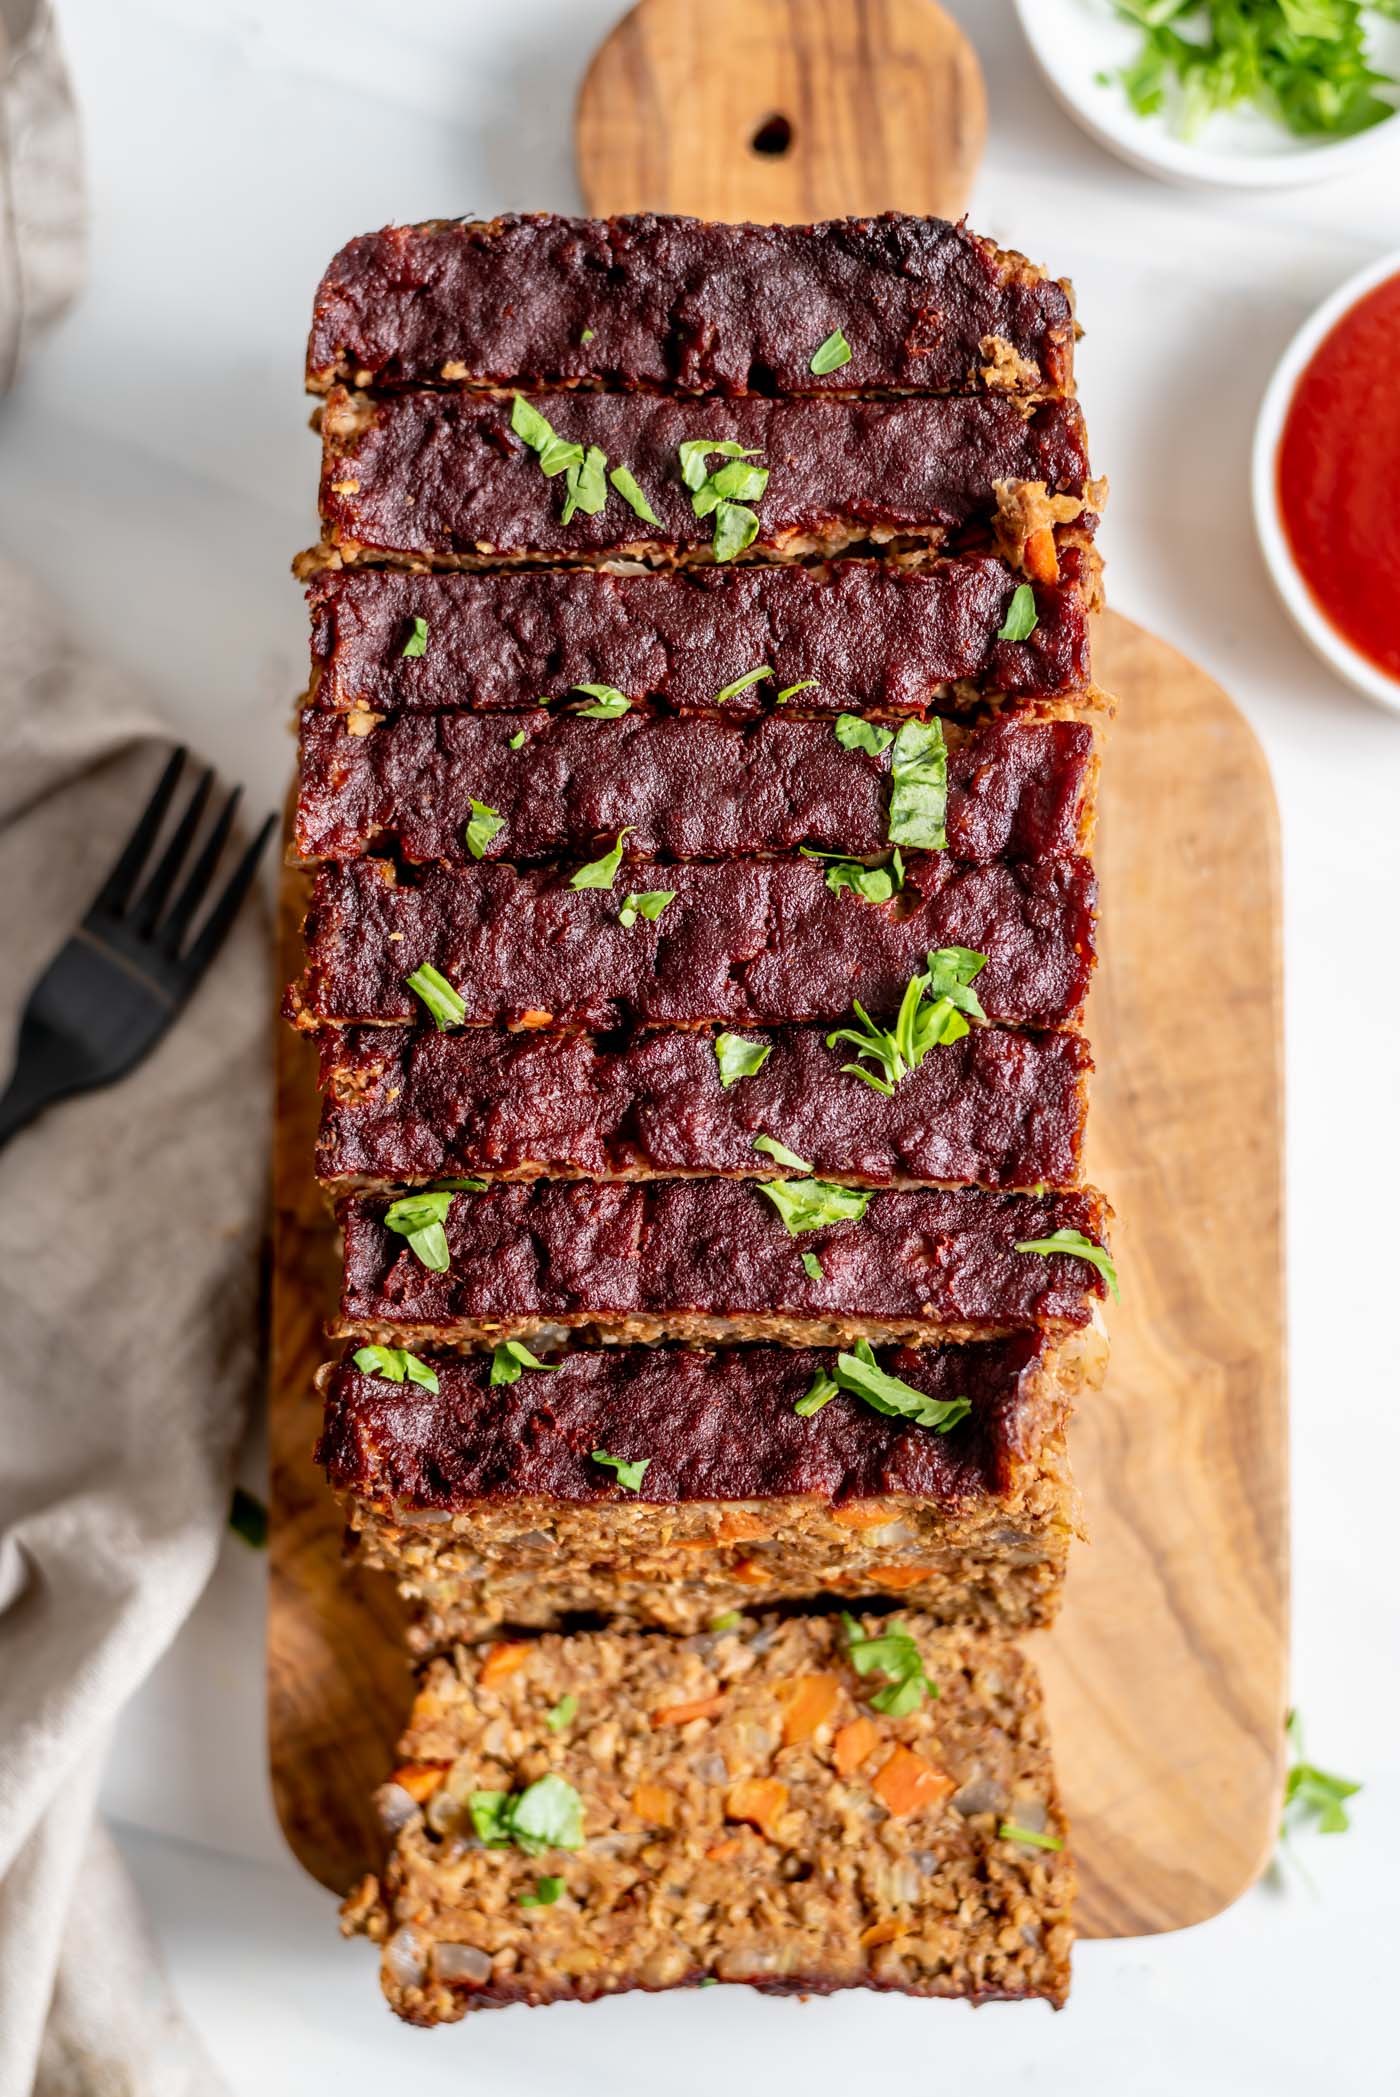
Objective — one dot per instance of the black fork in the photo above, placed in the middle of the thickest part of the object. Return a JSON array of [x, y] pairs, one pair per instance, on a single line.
[[109, 994]]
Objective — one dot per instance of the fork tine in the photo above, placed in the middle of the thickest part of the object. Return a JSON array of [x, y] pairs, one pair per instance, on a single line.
[[112, 897], [155, 894], [225, 910], [177, 920]]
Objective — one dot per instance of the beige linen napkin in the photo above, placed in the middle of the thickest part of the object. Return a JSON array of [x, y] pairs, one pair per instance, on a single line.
[[130, 1234]]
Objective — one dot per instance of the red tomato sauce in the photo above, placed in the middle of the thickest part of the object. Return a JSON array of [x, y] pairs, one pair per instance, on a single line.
[[1339, 475]]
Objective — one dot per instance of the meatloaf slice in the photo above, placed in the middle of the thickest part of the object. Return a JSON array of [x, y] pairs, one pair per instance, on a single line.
[[853, 637], [441, 480], [735, 1806], [565, 786], [704, 1259], [486, 1501], [998, 1108], [743, 943], [678, 305]]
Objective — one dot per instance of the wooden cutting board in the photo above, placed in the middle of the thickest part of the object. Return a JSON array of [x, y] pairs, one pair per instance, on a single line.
[[1167, 1671]]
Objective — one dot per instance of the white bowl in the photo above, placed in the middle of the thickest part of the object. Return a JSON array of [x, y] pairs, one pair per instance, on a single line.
[[1072, 41], [1307, 615]]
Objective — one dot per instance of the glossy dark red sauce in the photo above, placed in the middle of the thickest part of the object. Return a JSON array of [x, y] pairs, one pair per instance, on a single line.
[[1339, 476]]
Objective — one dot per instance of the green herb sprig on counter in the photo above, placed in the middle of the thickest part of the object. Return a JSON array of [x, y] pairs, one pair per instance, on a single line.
[[1313, 1796]]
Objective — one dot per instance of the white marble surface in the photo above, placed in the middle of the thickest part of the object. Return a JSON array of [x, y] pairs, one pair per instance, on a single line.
[[156, 469]]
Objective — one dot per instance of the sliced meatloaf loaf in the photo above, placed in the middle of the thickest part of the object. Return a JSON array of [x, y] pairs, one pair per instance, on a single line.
[[705, 1259], [678, 305], [487, 1501], [997, 1108], [853, 637], [739, 944], [443, 480], [799, 1806], [564, 786]]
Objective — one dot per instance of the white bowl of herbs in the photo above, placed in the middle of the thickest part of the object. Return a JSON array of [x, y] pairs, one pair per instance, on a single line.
[[1248, 94]]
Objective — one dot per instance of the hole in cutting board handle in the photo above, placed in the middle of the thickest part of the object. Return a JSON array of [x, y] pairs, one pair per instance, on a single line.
[[773, 137]]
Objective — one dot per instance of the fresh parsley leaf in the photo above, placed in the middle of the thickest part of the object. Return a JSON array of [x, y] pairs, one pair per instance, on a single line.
[[781, 1153], [735, 529], [546, 1892], [893, 1653], [563, 1713], [1021, 617], [730, 1621], [420, 1218], [628, 1474], [853, 732], [587, 335], [1078, 1247], [510, 1357], [830, 355], [490, 1812], [812, 1267], [247, 1517], [610, 702], [919, 1026], [517, 740], [819, 1392], [547, 1814], [396, 1363], [806, 1205], [584, 485], [649, 905], [484, 825], [627, 488], [556, 454], [417, 642], [447, 1006], [693, 453], [738, 1058], [724, 492], [805, 684], [1012, 1831], [601, 873], [919, 787], [1313, 1795], [873, 884], [862, 1374], [741, 684]]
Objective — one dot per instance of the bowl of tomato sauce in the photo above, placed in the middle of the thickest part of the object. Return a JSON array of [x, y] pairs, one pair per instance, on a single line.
[[1327, 480]]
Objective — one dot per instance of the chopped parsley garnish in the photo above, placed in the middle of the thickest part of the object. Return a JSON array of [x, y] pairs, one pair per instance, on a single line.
[[546, 1892], [247, 1517], [547, 1814], [1078, 1247], [862, 1374], [1021, 617], [830, 355], [587, 335], [1304, 61], [919, 787], [626, 486], [854, 732], [1312, 1795], [805, 1205], [819, 1392], [417, 642], [517, 740], [609, 702], [919, 1026], [781, 1154], [584, 486], [892, 1653], [628, 1474], [724, 492], [649, 905], [741, 684], [484, 825], [738, 1058], [396, 1363], [1012, 1831], [812, 1267], [730, 1621], [563, 1713], [556, 454], [601, 873], [510, 1357], [447, 1006], [804, 684], [873, 884], [420, 1218]]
